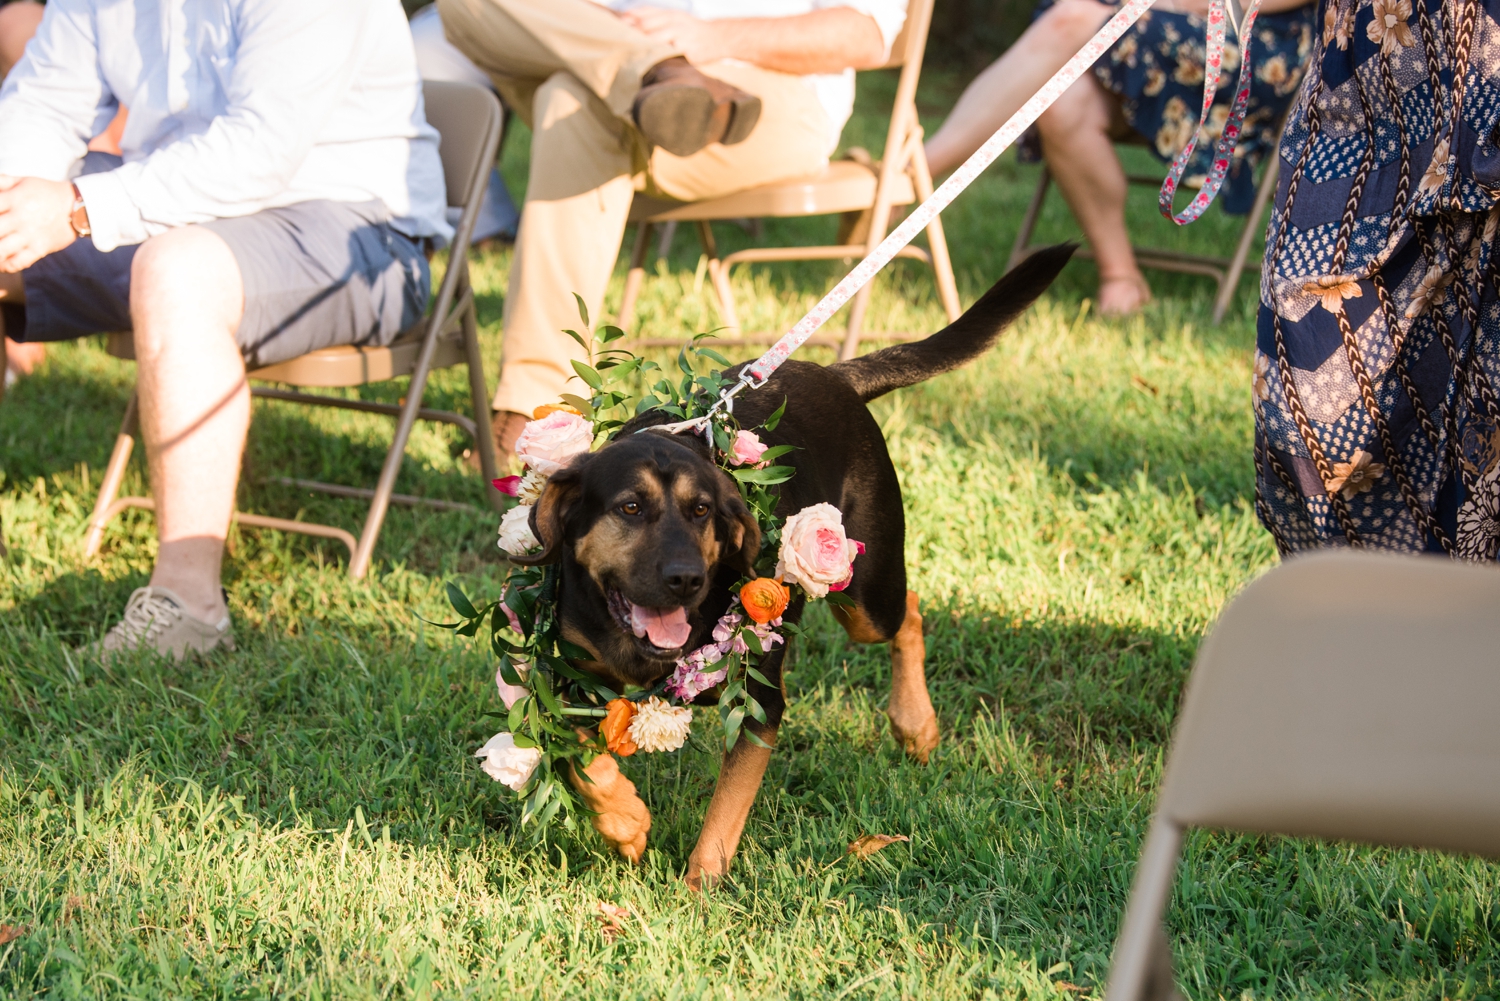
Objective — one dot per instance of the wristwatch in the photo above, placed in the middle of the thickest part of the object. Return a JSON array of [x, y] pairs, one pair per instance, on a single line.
[[78, 218]]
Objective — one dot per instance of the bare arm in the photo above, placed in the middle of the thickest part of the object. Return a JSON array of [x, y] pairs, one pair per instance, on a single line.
[[823, 41]]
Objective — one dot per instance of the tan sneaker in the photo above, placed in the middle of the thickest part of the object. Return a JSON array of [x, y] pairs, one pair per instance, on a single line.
[[154, 618]]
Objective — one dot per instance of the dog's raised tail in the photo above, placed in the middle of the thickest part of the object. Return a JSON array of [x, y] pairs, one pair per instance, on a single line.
[[963, 340]]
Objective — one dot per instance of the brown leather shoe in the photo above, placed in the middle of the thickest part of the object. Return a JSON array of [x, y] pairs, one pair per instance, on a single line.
[[682, 110], [507, 427]]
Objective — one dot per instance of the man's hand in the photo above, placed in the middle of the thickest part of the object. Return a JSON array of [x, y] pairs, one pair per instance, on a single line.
[[34, 222], [700, 41]]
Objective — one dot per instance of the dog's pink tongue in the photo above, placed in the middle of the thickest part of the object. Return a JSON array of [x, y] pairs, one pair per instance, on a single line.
[[667, 628]]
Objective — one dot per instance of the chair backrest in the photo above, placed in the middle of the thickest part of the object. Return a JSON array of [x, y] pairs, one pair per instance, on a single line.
[[912, 41], [1349, 696], [466, 117]]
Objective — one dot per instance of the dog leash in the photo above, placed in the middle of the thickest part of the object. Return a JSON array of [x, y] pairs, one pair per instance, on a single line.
[[756, 374]]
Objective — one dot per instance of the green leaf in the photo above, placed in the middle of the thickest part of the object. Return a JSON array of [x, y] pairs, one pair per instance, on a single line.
[[732, 724], [460, 602], [711, 353], [753, 642], [609, 332], [760, 678], [756, 740], [583, 311], [578, 337], [579, 403], [588, 374], [841, 599], [544, 692], [755, 710], [624, 368], [768, 475], [523, 741], [776, 452], [775, 418]]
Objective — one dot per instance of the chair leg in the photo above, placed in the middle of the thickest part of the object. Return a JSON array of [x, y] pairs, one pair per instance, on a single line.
[[937, 242], [114, 475], [484, 431], [719, 275], [1231, 281], [1028, 221], [636, 276], [1135, 972]]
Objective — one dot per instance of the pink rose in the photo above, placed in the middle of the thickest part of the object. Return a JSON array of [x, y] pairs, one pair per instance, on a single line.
[[547, 445], [815, 553], [747, 449], [511, 694]]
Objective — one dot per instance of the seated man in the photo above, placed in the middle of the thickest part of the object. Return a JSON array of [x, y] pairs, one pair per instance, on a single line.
[[617, 100], [279, 179]]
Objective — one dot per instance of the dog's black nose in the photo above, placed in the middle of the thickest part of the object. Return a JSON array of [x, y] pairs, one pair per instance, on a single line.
[[682, 579]]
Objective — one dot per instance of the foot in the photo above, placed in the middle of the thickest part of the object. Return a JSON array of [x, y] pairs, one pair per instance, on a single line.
[[1123, 296], [21, 358], [155, 618], [682, 110], [506, 426]]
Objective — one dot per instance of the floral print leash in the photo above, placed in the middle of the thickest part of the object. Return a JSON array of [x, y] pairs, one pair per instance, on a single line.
[[1224, 150]]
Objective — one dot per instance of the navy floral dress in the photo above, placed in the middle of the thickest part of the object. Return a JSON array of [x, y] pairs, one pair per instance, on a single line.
[[1156, 69], [1378, 343]]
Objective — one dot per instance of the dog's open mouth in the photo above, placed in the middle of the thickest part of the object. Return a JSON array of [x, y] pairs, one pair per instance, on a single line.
[[663, 628]]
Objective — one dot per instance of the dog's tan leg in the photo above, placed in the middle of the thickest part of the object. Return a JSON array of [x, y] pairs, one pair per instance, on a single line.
[[620, 816], [912, 719], [739, 781]]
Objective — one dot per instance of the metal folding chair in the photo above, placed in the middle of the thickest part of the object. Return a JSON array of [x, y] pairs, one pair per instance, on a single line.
[[1344, 695], [468, 121], [864, 193], [1225, 271]]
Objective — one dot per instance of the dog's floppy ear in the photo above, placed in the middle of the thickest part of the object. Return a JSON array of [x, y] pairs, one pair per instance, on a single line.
[[736, 529], [550, 513]]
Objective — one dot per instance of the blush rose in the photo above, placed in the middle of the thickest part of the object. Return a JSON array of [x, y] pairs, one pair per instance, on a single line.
[[546, 445], [815, 554]]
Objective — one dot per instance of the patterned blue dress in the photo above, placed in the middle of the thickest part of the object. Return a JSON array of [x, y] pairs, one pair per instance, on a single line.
[[1378, 339], [1157, 70]]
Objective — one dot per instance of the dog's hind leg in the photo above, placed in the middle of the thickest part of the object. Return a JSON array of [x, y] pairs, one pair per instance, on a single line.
[[620, 816], [910, 710], [913, 721], [739, 781]]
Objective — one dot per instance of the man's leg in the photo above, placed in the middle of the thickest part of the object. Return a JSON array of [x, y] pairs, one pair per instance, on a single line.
[[186, 300], [1076, 142]]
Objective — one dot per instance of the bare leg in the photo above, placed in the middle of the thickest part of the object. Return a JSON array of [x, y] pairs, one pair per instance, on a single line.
[[910, 710], [186, 300], [1009, 81], [620, 816], [1076, 142], [734, 795]]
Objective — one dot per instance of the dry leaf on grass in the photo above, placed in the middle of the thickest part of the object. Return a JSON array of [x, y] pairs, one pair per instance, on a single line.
[[868, 844], [611, 915], [9, 933]]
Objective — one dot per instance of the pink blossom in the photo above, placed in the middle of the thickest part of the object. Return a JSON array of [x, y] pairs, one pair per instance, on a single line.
[[510, 486], [747, 449], [815, 552], [547, 445], [511, 694]]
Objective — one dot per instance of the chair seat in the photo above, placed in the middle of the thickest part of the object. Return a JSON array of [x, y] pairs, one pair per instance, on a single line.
[[345, 365], [841, 186]]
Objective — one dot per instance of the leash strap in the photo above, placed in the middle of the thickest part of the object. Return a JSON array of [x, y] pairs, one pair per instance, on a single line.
[[1233, 125], [756, 374]]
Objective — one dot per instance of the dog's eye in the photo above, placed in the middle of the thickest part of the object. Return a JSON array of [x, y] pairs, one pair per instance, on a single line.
[[631, 508], [700, 510]]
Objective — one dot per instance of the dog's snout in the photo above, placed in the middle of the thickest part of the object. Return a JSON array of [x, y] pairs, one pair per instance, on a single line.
[[682, 578]]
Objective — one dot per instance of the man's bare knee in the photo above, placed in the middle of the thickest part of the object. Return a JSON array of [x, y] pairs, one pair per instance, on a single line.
[[1065, 26], [185, 276]]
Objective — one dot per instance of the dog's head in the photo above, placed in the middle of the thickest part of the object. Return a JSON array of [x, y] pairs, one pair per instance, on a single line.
[[645, 521]]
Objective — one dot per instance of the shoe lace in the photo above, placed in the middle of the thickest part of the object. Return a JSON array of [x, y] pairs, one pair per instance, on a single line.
[[145, 618]]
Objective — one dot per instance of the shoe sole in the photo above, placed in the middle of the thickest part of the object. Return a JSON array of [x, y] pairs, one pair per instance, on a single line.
[[681, 119]]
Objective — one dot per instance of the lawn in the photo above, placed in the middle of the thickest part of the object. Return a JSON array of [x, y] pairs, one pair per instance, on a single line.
[[302, 818]]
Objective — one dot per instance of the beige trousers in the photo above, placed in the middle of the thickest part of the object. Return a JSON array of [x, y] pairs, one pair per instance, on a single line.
[[571, 68]]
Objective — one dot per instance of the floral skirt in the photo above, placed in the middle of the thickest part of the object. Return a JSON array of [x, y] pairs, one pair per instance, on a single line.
[[1156, 69], [1377, 370]]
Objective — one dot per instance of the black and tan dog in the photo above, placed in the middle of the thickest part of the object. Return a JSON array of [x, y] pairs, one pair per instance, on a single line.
[[650, 535]]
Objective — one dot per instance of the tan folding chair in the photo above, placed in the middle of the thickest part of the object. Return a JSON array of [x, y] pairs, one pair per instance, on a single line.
[[863, 193], [1344, 695], [468, 121], [1225, 271]]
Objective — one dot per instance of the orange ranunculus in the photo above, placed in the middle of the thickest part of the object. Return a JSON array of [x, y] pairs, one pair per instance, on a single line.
[[764, 598], [547, 408], [616, 727]]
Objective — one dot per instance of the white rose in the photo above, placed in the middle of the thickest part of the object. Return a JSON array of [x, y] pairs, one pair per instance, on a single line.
[[815, 553], [547, 445], [515, 531], [504, 762], [658, 726]]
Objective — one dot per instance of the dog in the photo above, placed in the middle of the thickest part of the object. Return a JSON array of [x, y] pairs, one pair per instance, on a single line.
[[650, 536]]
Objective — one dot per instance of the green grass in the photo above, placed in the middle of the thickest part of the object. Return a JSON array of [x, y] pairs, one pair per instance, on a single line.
[[302, 818]]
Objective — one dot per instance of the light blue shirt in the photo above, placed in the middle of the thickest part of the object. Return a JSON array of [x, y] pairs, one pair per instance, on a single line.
[[235, 106]]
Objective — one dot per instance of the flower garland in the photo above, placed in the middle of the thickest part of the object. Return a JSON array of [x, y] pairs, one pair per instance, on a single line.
[[551, 706]]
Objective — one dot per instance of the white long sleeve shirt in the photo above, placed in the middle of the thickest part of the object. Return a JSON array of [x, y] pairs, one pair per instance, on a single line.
[[235, 106]]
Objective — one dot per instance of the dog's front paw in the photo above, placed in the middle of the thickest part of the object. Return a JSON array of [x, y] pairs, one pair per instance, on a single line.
[[917, 733], [620, 816], [704, 872]]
